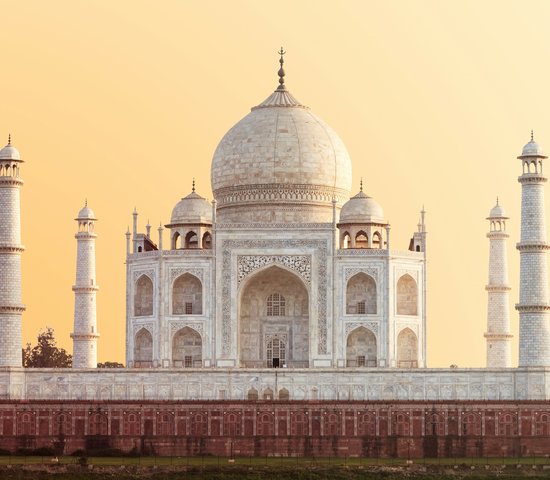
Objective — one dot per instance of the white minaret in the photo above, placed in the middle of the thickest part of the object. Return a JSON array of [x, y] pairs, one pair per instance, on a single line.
[[499, 353], [11, 307], [85, 322], [533, 307]]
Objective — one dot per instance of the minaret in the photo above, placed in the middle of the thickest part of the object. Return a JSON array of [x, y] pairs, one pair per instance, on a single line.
[[499, 354], [85, 323], [533, 307], [11, 307]]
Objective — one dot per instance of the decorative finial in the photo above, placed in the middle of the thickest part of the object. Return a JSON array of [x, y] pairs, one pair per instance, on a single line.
[[497, 200], [85, 202], [281, 71], [9, 138], [361, 184], [531, 135], [193, 189]]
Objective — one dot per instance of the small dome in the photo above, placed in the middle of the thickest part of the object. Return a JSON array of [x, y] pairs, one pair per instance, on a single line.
[[361, 209], [86, 213], [532, 149], [497, 212], [9, 152], [192, 209]]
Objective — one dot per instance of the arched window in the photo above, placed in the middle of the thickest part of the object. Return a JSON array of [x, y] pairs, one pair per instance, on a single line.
[[143, 349], [268, 394], [346, 241], [165, 424], [232, 425], [207, 240], [361, 348], [542, 424], [252, 394], [143, 297], [299, 424], [176, 241], [266, 423], [199, 425], [471, 424], [361, 295], [366, 425], [407, 349], [98, 424], [407, 296], [187, 295], [276, 353], [276, 305], [284, 394], [361, 240], [331, 424], [507, 425], [187, 348], [191, 240], [401, 424], [435, 424]]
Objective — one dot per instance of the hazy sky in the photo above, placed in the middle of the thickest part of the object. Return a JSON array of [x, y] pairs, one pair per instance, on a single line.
[[123, 102]]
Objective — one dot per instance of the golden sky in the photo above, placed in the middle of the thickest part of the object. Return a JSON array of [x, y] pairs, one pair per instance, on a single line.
[[123, 102]]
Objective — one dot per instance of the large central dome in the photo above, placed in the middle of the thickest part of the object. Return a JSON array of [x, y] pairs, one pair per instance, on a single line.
[[280, 163]]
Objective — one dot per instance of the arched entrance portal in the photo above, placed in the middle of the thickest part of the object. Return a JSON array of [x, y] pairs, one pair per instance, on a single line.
[[274, 320]]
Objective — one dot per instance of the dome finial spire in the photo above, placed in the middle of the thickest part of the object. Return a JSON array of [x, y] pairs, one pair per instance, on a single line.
[[361, 184], [9, 138], [193, 187], [281, 71], [86, 202], [532, 135], [497, 200]]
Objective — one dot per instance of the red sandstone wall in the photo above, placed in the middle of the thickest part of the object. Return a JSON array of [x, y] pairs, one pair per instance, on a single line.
[[314, 428]]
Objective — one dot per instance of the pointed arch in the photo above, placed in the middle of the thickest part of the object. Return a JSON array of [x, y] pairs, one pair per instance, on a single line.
[[284, 394], [261, 321], [207, 240], [176, 241], [191, 240], [143, 296], [407, 296], [407, 349], [252, 394], [361, 348], [361, 295], [377, 240], [346, 240], [143, 349], [361, 240], [187, 348], [187, 295]]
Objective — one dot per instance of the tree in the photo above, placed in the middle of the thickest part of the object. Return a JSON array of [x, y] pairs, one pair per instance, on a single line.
[[110, 365], [45, 354]]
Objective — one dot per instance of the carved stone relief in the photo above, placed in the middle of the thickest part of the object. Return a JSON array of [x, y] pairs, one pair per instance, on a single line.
[[301, 264], [372, 326]]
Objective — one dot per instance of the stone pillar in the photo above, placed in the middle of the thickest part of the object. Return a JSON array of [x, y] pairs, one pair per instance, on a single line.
[[499, 354], [533, 306], [11, 307], [85, 323]]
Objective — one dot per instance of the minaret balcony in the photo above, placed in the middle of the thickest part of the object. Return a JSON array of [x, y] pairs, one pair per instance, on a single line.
[[532, 246]]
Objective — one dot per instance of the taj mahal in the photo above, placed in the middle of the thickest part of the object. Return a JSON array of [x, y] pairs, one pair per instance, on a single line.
[[286, 286]]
